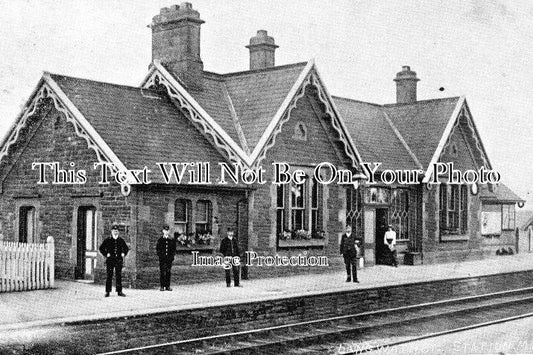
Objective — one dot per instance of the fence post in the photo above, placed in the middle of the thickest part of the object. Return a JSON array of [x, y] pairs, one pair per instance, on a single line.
[[51, 258]]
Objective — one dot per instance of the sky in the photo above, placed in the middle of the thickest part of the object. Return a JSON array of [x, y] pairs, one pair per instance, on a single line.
[[478, 48]]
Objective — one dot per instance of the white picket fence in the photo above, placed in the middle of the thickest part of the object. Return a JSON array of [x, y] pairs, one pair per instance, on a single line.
[[26, 266]]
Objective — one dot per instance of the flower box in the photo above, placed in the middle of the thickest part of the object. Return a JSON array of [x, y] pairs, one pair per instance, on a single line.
[[301, 243]]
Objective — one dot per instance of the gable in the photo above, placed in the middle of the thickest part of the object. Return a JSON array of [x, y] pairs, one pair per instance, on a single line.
[[48, 137], [461, 123], [459, 150], [307, 137], [308, 81], [257, 95]]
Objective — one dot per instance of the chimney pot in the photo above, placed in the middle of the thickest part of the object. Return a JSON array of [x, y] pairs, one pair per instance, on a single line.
[[406, 82], [262, 50]]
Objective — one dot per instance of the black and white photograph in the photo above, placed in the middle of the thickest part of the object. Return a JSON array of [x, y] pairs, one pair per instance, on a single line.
[[266, 177]]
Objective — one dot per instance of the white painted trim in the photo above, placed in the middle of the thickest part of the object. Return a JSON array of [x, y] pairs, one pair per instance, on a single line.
[[341, 120], [83, 122], [27, 104], [209, 120], [480, 141], [444, 138], [281, 110]]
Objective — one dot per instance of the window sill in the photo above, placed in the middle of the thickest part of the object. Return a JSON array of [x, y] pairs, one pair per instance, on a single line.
[[301, 243], [454, 237], [199, 247], [491, 235]]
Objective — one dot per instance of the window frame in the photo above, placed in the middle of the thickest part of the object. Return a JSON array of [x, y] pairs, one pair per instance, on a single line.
[[310, 209], [188, 219], [207, 222], [505, 226], [454, 211], [399, 213]]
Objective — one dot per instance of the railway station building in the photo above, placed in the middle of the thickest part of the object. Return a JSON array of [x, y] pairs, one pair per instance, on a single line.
[[74, 131]]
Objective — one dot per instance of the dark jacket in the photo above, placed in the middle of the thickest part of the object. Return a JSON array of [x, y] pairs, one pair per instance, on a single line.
[[229, 247], [114, 247], [348, 244], [166, 248]]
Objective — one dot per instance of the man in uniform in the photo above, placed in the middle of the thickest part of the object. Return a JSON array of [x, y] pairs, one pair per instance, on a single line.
[[230, 247], [166, 249], [349, 249], [114, 249]]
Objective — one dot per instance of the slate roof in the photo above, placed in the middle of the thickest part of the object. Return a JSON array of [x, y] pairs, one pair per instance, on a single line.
[[373, 135], [254, 96], [422, 124], [376, 130], [143, 127], [140, 126], [501, 194]]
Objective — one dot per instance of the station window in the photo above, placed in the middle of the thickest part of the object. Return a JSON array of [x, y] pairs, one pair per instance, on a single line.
[[453, 209], [400, 213], [354, 211], [299, 208], [203, 216], [182, 213], [280, 208], [508, 217]]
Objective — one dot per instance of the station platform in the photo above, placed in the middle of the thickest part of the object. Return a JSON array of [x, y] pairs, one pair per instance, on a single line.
[[74, 301]]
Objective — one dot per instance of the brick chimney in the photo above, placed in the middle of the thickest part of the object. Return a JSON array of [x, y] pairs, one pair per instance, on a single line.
[[406, 86], [262, 48], [176, 42]]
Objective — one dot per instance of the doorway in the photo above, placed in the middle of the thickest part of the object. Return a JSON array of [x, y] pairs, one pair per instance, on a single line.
[[382, 223], [87, 249]]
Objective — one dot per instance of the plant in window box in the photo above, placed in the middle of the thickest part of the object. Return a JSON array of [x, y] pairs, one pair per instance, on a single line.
[[204, 238], [184, 239], [302, 234], [319, 234], [285, 235]]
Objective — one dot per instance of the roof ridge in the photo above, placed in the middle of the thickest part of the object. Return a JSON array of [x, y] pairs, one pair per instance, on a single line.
[[354, 100], [402, 140], [255, 71], [98, 82], [422, 101]]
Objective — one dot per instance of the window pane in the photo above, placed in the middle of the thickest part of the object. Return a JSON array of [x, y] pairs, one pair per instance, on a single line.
[[298, 219], [280, 195], [180, 211], [279, 221], [314, 194], [201, 211], [181, 228], [464, 208], [443, 208], [297, 193]]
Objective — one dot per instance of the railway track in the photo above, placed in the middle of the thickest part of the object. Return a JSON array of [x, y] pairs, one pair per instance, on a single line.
[[357, 333]]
